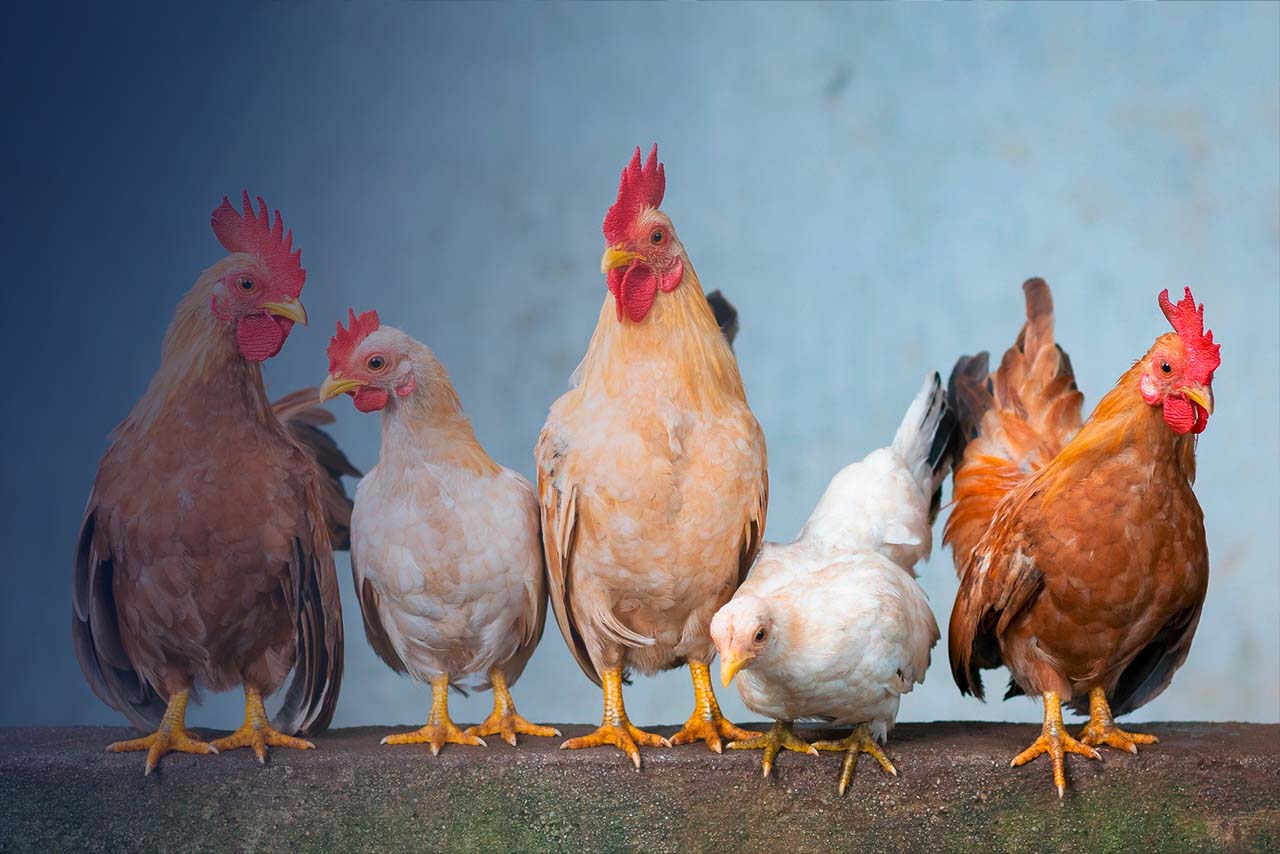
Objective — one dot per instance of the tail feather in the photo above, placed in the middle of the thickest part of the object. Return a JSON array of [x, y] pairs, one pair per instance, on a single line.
[[726, 315], [927, 438], [1012, 422], [301, 412]]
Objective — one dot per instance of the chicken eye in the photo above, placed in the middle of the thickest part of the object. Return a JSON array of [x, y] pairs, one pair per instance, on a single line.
[[656, 237], [245, 284], [1164, 366], [759, 635], [376, 363]]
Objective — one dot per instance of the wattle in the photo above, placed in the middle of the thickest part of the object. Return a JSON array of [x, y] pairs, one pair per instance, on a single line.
[[260, 336], [635, 288], [1184, 416], [369, 399]]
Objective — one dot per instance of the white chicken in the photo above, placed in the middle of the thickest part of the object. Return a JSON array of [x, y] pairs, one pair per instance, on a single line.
[[834, 626], [445, 544]]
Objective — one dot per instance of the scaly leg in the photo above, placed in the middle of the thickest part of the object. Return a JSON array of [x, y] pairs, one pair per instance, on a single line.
[[858, 741], [1054, 741], [257, 733], [615, 728], [778, 737], [172, 735], [439, 730], [706, 723], [504, 721], [1102, 729]]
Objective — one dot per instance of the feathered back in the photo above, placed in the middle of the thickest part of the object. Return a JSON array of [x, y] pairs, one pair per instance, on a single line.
[[1012, 422], [927, 438]]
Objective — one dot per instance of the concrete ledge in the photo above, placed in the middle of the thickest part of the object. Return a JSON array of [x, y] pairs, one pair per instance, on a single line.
[[1204, 787]]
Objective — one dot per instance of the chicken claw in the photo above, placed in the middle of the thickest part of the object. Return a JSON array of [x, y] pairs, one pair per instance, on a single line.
[[439, 730], [1102, 729], [171, 736], [504, 720], [707, 723], [858, 741], [1054, 741], [255, 732], [615, 729], [778, 737]]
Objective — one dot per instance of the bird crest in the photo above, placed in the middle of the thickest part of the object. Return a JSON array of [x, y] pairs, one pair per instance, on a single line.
[[639, 187], [1188, 321], [345, 340], [255, 234]]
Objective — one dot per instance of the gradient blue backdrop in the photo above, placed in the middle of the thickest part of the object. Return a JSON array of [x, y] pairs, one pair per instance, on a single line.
[[870, 185]]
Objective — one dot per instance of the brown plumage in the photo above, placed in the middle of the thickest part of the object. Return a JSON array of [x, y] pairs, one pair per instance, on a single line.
[[205, 558], [1081, 549]]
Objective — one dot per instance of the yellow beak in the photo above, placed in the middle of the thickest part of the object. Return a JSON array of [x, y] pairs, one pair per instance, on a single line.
[[1201, 395], [615, 258], [289, 308], [729, 667], [334, 386]]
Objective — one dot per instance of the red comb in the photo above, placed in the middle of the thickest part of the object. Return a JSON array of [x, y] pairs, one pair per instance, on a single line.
[[255, 234], [345, 341], [1188, 321], [640, 187]]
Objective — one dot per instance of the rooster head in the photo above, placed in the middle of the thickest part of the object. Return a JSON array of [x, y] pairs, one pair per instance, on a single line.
[[369, 362], [1179, 370], [258, 286], [642, 254]]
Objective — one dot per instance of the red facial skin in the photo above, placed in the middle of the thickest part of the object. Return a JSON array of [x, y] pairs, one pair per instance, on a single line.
[[238, 297], [1167, 388], [636, 285]]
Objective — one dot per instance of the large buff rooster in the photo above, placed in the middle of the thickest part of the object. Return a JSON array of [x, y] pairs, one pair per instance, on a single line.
[[445, 549], [651, 474], [1080, 548], [834, 625], [205, 559]]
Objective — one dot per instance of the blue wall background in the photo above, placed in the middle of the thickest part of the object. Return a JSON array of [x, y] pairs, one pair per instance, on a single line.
[[869, 183]]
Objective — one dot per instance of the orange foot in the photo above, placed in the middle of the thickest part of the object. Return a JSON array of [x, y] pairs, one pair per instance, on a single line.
[[858, 741], [171, 736], [439, 730], [1054, 741], [707, 723], [1102, 729], [504, 720], [778, 737], [437, 735], [256, 733], [616, 729], [623, 735]]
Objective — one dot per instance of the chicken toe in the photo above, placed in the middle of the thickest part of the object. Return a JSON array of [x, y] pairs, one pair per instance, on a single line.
[[615, 728], [1054, 741], [858, 741], [172, 736], [504, 720], [773, 742], [707, 723], [257, 733], [1101, 728]]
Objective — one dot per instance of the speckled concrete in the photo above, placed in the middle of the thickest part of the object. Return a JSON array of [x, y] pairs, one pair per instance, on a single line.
[[1206, 787]]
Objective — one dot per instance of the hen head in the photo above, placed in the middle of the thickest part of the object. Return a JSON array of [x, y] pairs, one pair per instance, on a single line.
[[643, 255], [742, 630], [258, 286], [368, 361], [1179, 368]]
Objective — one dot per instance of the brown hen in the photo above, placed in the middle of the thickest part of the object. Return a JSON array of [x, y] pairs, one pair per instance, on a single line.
[[1080, 548]]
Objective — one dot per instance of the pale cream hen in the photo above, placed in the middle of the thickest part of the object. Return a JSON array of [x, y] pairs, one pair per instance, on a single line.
[[445, 548]]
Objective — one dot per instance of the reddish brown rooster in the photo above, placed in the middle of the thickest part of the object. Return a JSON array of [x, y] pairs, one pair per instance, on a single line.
[[205, 558], [1081, 549]]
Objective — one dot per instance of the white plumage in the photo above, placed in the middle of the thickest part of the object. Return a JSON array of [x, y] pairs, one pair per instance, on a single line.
[[833, 625]]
